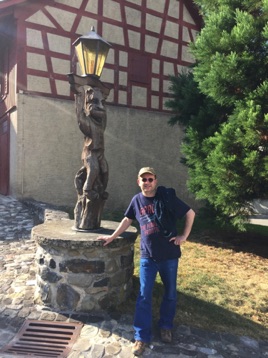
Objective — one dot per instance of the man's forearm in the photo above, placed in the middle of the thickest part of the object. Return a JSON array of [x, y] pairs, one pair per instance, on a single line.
[[189, 220], [124, 224], [122, 227]]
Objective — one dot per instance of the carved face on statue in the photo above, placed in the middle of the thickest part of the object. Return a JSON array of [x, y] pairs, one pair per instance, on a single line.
[[94, 103]]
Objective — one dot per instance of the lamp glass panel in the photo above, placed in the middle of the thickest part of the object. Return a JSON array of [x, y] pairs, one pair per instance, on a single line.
[[80, 56], [103, 50], [90, 55]]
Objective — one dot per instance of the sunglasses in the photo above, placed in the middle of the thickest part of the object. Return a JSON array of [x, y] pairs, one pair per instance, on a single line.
[[150, 180]]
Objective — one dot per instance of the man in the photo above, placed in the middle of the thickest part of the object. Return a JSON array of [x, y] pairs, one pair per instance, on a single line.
[[156, 209]]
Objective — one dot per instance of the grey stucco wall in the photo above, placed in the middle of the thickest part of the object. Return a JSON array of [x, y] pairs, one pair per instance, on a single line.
[[47, 145]]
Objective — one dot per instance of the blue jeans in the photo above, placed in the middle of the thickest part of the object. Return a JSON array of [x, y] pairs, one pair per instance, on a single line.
[[143, 316]]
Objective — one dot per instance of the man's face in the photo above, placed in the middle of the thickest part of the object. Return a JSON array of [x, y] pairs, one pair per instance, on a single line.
[[148, 184]]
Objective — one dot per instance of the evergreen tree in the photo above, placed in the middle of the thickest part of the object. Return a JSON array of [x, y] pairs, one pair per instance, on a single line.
[[223, 105]]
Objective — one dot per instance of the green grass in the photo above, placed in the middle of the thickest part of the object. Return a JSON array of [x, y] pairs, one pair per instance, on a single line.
[[222, 281], [230, 287]]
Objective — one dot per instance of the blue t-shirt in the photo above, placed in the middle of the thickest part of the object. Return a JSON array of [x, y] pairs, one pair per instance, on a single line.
[[153, 243]]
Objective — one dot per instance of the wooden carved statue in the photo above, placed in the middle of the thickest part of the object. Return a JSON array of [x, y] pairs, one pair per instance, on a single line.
[[92, 178]]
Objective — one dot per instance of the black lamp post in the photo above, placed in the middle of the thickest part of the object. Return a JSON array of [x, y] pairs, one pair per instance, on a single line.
[[90, 93]]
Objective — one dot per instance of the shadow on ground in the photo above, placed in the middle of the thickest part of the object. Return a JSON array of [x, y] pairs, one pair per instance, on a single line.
[[253, 243]]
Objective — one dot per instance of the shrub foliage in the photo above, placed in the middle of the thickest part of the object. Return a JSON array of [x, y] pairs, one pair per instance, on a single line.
[[222, 103]]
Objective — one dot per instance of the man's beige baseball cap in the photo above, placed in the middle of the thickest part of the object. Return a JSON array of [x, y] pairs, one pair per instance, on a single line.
[[146, 170]]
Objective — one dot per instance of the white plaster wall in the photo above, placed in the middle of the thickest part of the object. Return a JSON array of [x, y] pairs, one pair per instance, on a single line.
[[13, 153], [49, 145]]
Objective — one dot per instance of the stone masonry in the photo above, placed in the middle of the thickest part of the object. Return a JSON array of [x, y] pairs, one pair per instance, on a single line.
[[76, 272]]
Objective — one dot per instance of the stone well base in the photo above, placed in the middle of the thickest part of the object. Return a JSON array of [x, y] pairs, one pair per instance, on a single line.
[[76, 272]]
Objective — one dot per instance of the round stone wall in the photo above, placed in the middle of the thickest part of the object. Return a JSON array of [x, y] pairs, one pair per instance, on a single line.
[[76, 272]]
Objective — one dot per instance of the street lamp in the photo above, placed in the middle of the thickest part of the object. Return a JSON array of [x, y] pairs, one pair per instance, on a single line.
[[91, 51], [90, 94]]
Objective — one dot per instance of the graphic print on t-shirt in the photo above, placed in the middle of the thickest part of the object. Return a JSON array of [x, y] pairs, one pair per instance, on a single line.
[[148, 220]]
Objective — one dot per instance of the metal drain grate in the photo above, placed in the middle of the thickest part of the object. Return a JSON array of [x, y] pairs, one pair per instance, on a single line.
[[44, 339]]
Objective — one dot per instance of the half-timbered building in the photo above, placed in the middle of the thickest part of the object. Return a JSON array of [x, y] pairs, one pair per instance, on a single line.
[[40, 143]]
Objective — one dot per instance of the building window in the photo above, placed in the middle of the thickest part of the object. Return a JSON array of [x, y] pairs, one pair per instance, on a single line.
[[139, 68]]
